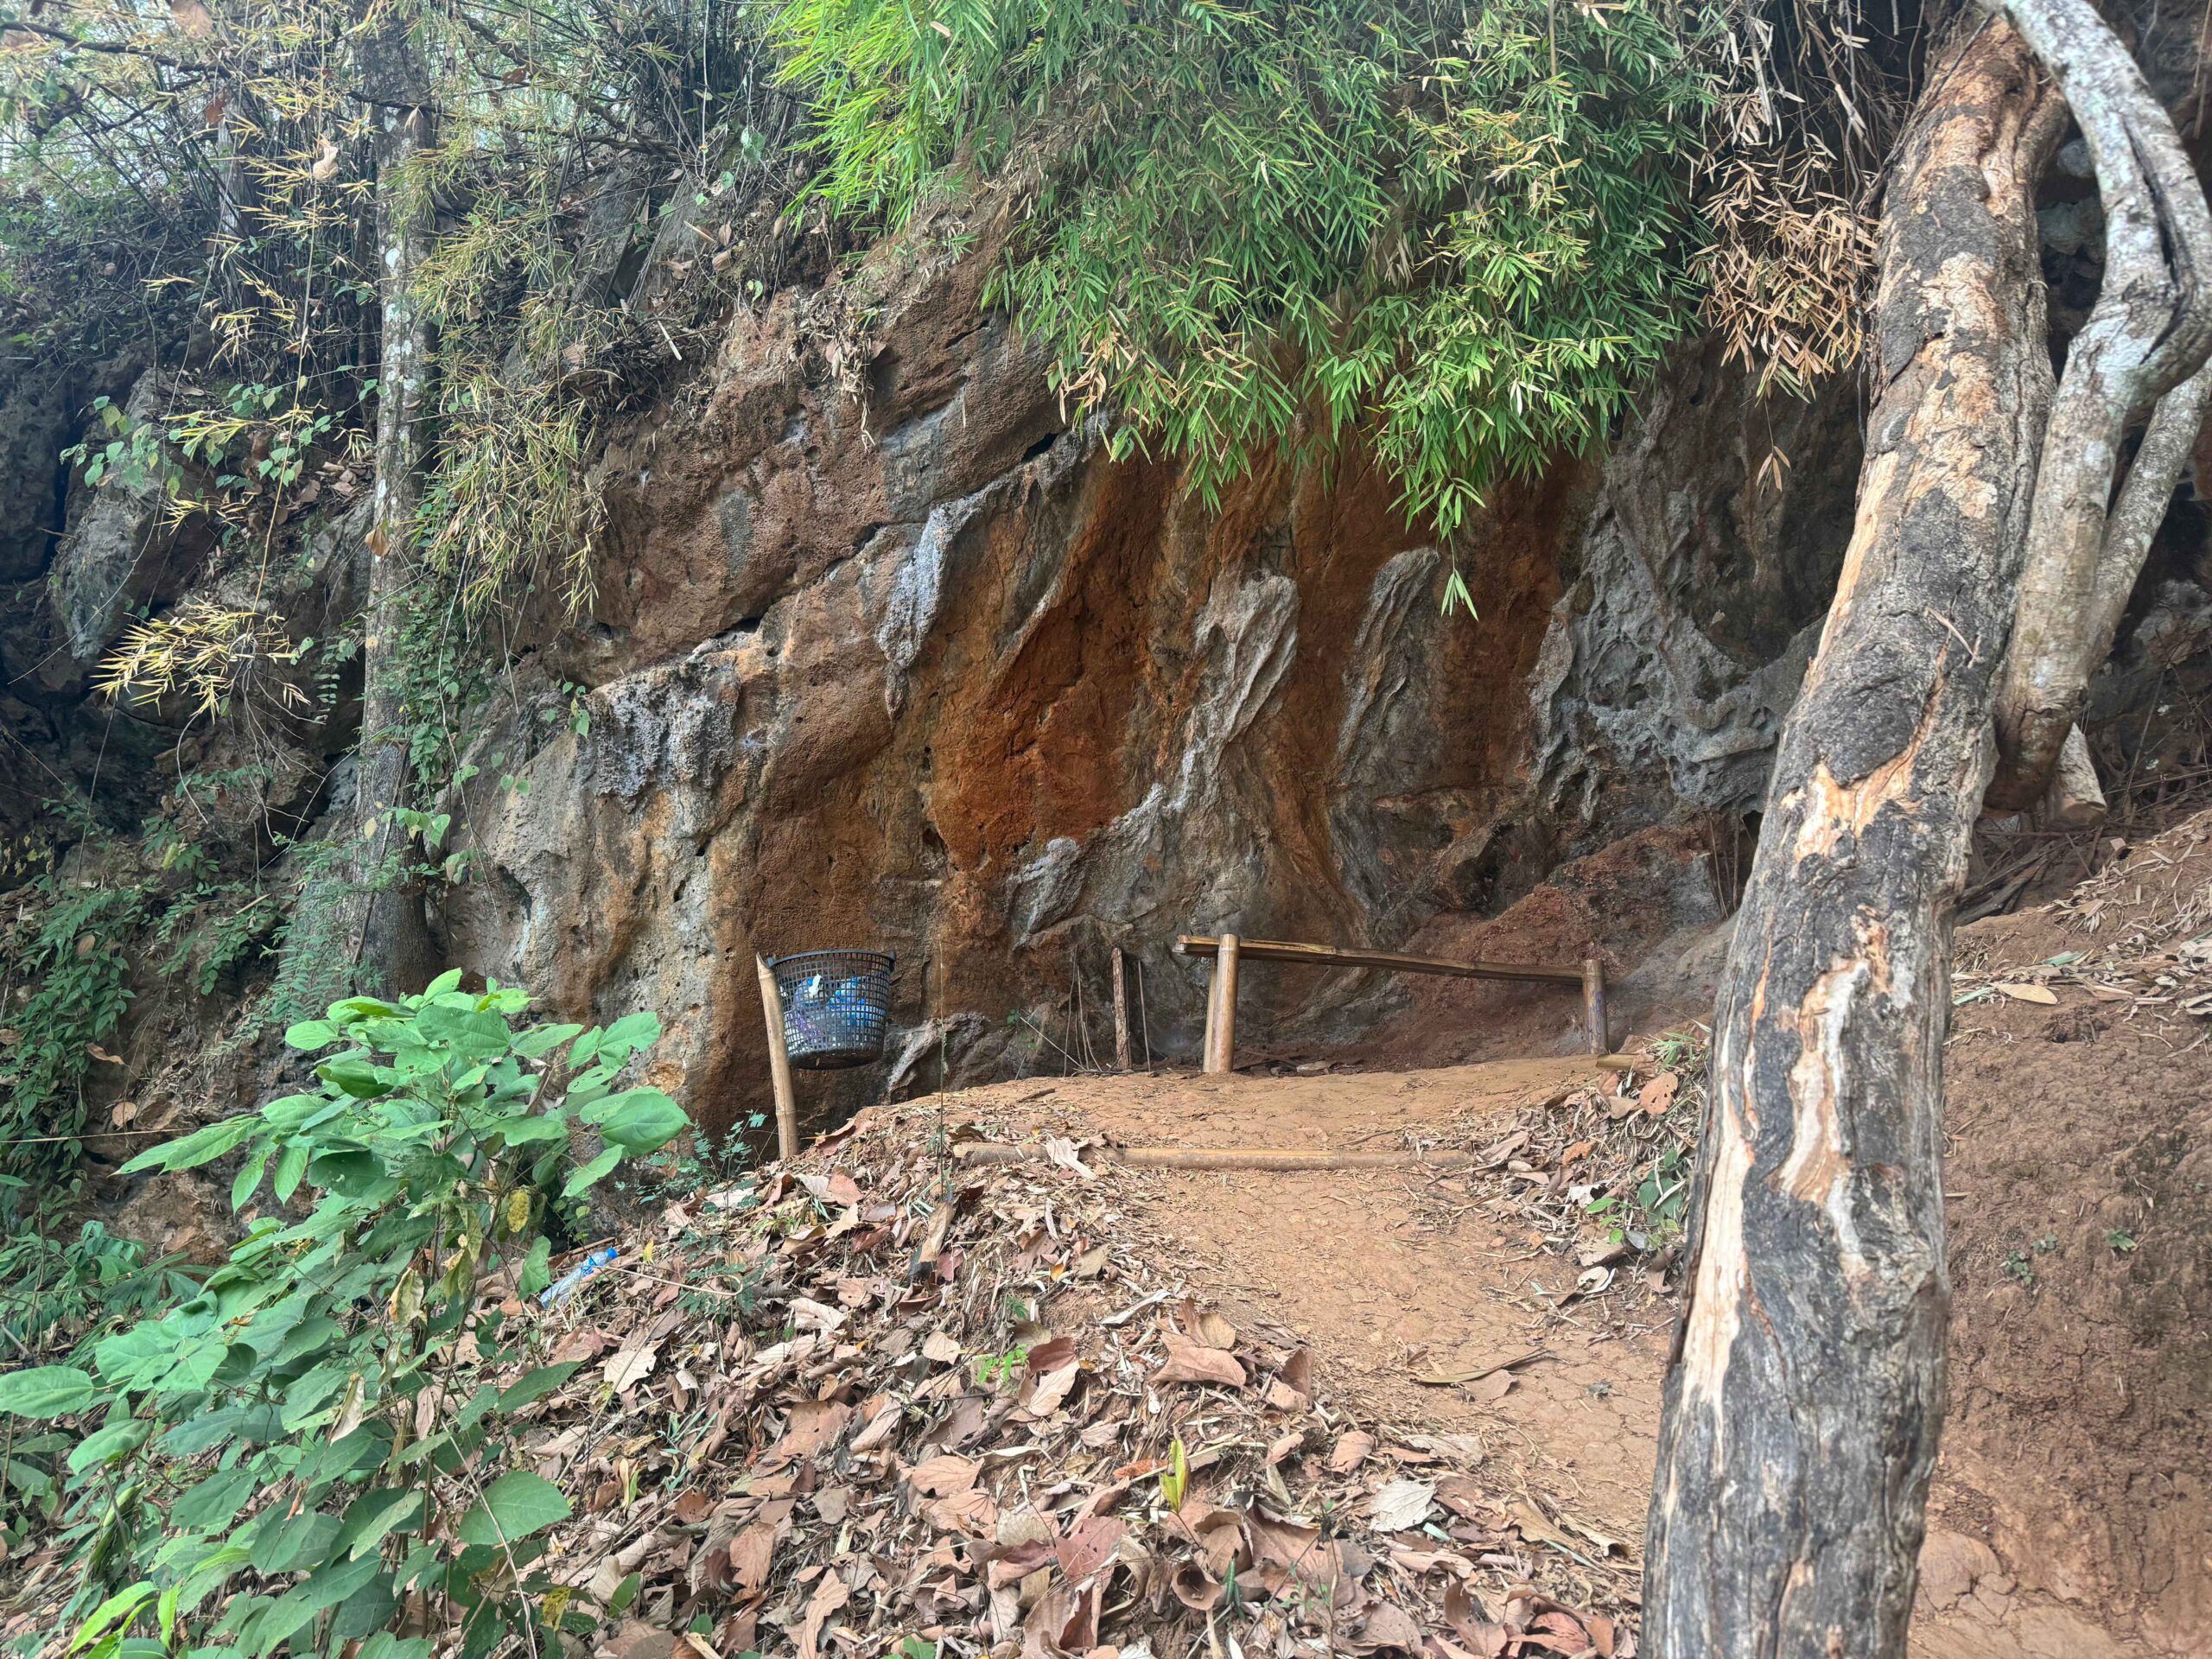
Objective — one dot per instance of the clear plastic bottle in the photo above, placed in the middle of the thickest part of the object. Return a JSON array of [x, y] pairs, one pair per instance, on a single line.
[[561, 1288]]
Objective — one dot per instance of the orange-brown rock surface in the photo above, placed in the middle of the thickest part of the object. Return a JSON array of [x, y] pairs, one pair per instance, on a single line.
[[886, 653]]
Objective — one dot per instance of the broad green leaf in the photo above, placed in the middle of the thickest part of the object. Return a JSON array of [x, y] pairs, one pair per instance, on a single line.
[[631, 1031], [355, 1009], [248, 1177], [210, 1575], [214, 1502], [385, 1645], [535, 1273], [538, 1039], [369, 1609], [537, 1384], [516, 1505], [591, 1173], [275, 1625], [202, 1145], [46, 1391], [338, 1579], [311, 1034], [375, 1514], [473, 1033], [110, 1443], [522, 1128], [357, 1077], [294, 1543], [639, 1120], [449, 980], [114, 1614], [290, 1165], [352, 1173]]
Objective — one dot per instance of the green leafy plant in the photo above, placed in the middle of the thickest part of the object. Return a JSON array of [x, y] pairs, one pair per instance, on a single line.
[[133, 456], [1652, 1214], [322, 1427], [65, 975], [57, 1289]]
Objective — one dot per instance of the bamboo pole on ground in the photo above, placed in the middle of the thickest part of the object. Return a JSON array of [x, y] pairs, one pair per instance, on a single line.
[[779, 1062], [1228, 1157], [1221, 1032]]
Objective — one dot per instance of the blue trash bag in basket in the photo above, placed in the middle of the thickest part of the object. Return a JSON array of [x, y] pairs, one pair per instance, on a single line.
[[837, 1004]]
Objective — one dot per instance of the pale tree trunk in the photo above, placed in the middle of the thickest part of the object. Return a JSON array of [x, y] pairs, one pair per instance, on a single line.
[[1805, 1393], [388, 935], [2132, 360]]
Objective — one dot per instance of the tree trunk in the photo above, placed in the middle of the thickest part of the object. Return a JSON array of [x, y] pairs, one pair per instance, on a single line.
[[1806, 1389], [2145, 339], [389, 936]]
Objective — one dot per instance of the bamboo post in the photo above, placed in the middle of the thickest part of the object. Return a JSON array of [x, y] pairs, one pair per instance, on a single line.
[[1221, 1030], [1593, 1002], [779, 1062], [1213, 1011], [1120, 1016]]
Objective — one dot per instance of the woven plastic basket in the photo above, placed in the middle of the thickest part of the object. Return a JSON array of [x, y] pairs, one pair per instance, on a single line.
[[836, 1006]]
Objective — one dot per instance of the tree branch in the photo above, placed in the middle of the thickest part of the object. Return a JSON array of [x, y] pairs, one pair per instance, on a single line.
[[2150, 331]]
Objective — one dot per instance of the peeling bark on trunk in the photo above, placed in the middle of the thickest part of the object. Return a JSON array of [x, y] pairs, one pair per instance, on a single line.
[[388, 931], [2146, 336], [1806, 1390]]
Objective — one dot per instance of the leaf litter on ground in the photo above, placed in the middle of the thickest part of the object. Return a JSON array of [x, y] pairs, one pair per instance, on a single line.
[[949, 1403]]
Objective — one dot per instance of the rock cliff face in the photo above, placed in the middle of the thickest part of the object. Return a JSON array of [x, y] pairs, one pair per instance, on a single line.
[[887, 654]]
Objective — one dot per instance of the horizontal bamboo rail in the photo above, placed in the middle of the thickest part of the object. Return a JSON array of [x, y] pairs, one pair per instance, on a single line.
[[1229, 951], [1328, 955]]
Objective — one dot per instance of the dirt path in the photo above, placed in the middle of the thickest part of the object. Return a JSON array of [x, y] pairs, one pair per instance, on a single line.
[[1389, 1273], [2072, 1514]]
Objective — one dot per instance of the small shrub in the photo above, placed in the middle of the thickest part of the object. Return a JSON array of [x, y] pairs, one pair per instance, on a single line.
[[286, 1452]]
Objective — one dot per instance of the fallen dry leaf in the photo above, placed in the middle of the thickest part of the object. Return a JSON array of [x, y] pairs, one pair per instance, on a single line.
[[1063, 1152], [1657, 1096], [1350, 1450], [752, 1552], [1208, 1329], [1533, 1528], [1052, 1390], [1400, 1505], [2040, 994], [1090, 1547], [1390, 1627], [628, 1367], [828, 1596], [944, 1477], [1191, 1361]]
